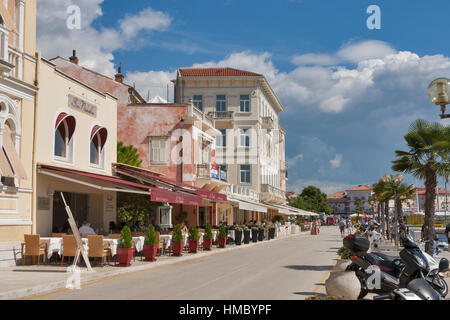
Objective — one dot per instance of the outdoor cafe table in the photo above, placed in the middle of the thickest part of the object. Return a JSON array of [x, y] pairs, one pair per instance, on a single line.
[[54, 244]]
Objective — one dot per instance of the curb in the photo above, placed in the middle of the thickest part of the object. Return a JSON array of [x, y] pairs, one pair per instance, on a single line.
[[90, 277]]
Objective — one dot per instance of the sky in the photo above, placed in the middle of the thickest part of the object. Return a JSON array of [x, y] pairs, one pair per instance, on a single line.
[[350, 93]]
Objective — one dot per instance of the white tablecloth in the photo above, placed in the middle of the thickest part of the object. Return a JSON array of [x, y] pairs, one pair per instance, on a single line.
[[53, 245]]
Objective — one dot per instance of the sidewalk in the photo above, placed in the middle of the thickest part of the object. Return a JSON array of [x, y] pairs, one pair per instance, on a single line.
[[27, 281]]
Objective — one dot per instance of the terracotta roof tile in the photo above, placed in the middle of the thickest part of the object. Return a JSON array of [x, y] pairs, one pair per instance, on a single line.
[[217, 72], [361, 188], [337, 195]]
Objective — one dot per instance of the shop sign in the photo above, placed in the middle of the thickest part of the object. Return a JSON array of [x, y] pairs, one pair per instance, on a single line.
[[82, 105], [214, 171]]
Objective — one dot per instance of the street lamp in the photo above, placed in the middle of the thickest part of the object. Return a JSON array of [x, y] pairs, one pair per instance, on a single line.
[[439, 92]]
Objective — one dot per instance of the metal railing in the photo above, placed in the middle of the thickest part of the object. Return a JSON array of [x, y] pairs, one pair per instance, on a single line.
[[221, 115], [242, 192], [268, 189], [204, 170]]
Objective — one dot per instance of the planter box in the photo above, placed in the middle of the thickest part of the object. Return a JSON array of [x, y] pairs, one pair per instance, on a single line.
[[261, 235], [247, 237], [150, 252], [124, 256], [177, 248], [271, 233], [193, 246], [238, 237], [222, 242], [255, 235], [207, 244]]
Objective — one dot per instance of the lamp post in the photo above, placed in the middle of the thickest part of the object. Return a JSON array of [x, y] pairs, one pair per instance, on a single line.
[[438, 92]]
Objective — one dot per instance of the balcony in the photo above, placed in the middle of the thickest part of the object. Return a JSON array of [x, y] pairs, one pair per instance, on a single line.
[[211, 171], [7, 61], [243, 193], [221, 115], [267, 123], [270, 194]]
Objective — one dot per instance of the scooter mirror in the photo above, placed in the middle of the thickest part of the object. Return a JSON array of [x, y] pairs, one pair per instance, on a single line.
[[443, 264]]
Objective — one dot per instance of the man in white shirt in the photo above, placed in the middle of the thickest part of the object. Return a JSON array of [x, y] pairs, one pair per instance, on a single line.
[[86, 228]]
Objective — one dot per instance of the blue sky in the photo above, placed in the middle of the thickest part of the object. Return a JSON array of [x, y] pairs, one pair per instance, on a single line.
[[350, 93]]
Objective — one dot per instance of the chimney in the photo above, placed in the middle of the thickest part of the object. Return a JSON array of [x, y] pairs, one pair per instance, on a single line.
[[74, 58], [119, 76]]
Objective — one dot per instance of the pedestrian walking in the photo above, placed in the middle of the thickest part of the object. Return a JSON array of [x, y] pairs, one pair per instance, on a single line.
[[447, 233], [342, 225]]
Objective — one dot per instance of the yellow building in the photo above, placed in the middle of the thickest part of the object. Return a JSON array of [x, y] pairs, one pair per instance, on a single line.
[[17, 108], [76, 134]]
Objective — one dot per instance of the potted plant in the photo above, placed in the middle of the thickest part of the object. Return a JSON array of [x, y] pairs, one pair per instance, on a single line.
[[261, 233], [207, 238], [177, 241], [125, 248], [238, 236], [193, 239], [271, 232], [344, 261], [255, 233], [246, 235], [150, 244], [222, 236]]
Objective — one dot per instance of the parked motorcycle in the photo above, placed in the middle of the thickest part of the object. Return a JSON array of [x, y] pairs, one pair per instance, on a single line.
[[417, 289], [395, 272]]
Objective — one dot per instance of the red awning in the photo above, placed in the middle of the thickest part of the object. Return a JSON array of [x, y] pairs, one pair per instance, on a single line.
[[103, 134], [71, 122], [158, 195], [199, 191]]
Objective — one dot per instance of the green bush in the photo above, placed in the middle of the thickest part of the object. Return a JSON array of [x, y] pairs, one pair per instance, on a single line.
[[208, 232], [255, 228], [125, 238], [261, 227], [151, 236], [344, 253], [238, 229], [245, 228], [193, 233], [277, 218], [177, 236], [222, 231]]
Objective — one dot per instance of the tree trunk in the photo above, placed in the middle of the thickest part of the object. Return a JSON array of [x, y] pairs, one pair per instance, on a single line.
[[400, 218], [386, 218], [430, 198]]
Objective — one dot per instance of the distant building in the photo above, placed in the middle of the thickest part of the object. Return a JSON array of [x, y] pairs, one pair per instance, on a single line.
[[344, 202]]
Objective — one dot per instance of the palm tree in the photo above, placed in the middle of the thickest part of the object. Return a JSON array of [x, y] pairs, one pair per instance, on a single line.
[[383, 208], [429, 146], [128, 155], [400, 192]]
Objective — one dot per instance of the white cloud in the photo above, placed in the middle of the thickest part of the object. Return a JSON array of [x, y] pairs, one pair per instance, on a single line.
[[336, 162], [314, 59], [94, 46], [365, 50]]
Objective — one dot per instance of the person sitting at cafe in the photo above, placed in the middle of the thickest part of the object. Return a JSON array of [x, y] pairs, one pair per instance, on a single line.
[[86, 228], [184, 229], [156, 225]]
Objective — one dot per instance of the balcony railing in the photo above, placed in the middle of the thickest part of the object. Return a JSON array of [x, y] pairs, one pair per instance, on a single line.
[[221, 115], [204, 171], [268, 191], [14, 59], [7, 61], [200, 115], [242, 192], [267, 123]]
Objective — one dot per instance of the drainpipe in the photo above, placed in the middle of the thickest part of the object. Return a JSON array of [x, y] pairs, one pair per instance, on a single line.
[[34, 168]]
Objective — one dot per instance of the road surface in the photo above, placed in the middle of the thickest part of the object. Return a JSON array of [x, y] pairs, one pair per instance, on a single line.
[[288, 269]]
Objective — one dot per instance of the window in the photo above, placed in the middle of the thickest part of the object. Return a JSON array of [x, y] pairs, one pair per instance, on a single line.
[[244, 173], [159, 150], [221, 141], [244, 137], [244, 105], [97, 144], [165, 217], [221, 103], [63, 142], [198, 102]]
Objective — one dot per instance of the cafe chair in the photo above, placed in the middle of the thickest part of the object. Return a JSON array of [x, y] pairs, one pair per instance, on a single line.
[[33, 248], [114, 236], [138, 234], [58, 235], [69, 247], [97, 249], [159, 243]]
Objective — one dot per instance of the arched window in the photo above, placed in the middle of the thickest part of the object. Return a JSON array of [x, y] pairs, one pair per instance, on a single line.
[[63, 143], [97, 146]]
